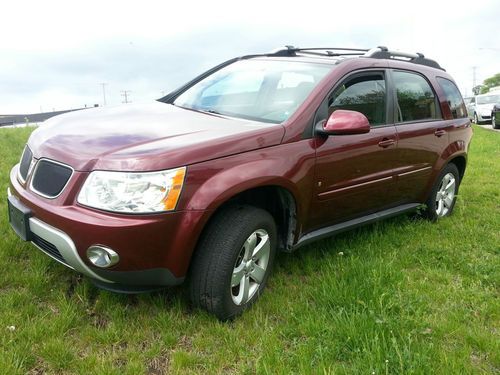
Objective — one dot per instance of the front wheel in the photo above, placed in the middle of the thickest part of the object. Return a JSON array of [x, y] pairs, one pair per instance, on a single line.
[[476, 120], [494, 121], [233, 260], [443, 196]]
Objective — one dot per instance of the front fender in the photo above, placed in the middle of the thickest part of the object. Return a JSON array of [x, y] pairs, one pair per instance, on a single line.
[[227, 183]]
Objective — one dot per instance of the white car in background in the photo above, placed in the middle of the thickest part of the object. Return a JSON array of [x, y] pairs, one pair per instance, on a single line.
[[480, 108]]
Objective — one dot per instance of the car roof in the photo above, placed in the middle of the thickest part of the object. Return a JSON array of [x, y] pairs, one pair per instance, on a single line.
[[359, 58]]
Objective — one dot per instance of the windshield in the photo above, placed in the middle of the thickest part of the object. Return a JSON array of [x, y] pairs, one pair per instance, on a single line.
[[261, 90], [490, 99]]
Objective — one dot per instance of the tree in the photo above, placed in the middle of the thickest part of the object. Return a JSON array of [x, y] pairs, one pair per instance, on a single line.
[[490, 83]]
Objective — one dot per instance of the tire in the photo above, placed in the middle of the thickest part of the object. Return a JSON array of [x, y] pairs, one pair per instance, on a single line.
[[476, 120], [442, 200], [493, 121], [223, 257]]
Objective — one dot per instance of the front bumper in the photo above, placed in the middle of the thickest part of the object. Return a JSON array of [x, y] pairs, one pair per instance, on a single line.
[[154, 250], [484, 116]]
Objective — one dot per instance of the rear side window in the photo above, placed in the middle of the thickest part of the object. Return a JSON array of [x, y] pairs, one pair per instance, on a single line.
[[365, 94], [453, 98], [416, 100]]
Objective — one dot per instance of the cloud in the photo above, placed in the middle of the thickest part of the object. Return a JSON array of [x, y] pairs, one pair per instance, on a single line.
[[56, 54]]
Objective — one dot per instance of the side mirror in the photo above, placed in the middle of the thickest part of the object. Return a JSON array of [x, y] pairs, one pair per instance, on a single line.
[[344, 122]]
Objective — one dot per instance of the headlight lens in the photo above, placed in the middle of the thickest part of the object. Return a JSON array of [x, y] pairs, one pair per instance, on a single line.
[[133, 192]]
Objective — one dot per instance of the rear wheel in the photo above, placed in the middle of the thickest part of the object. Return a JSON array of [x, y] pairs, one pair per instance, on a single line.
[[444, 193], [233, 261]]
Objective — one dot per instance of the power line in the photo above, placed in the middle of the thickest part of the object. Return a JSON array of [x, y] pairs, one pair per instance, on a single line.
[[125, 94], [489, 48]]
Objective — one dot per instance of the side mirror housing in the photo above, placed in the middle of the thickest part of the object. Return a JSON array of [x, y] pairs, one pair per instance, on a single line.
[[344, 122]]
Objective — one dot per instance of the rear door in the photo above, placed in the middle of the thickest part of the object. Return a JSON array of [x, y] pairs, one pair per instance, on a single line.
[[354, 173], [422, 133]]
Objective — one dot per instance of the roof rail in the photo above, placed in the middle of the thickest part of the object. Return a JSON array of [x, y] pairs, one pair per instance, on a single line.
[[415, 58], [318, 51], [374, 53]]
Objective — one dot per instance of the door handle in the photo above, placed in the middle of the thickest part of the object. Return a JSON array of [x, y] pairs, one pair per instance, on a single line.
[[386, 142], [439, 132]]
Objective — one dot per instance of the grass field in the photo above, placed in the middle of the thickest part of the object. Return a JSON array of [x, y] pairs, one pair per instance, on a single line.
[[403, 296]]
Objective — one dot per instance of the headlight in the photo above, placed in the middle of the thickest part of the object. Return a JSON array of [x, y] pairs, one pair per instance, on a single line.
[[133, 192]]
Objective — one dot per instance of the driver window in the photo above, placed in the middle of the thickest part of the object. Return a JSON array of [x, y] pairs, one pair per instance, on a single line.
[[365, 94]]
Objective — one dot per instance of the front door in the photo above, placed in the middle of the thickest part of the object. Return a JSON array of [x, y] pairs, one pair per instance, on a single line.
[[354, 173]]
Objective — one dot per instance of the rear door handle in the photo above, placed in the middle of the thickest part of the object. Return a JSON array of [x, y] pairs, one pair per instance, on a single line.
[[386, 142], [439, 132]]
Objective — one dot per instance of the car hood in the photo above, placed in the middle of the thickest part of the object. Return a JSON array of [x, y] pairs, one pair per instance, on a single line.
[[485, 107], [146, 137]]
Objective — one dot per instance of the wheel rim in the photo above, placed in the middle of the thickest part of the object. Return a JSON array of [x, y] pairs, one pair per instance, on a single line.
[[475, 119], [445, 195], [493, 121], [250, 267]]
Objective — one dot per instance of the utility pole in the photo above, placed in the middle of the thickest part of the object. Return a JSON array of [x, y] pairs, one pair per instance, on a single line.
[[103, 84], [474, 68], [125, 94]]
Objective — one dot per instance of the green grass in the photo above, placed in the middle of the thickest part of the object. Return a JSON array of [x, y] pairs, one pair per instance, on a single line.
[[402, 296]]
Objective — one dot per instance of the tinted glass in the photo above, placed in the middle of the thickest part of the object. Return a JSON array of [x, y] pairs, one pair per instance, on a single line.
[[262, 90], [453, 98], [365, 94], [416, 100]]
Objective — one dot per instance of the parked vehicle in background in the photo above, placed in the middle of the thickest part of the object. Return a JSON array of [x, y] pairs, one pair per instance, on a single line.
[[480, 107], [495, 117], [262, 153]]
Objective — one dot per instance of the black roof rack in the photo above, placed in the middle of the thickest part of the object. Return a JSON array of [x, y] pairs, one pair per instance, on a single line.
[[318, 51], [415, 58], [374, 53]]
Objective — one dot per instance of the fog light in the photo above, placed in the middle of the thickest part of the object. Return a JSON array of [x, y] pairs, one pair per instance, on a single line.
[[101, 256]]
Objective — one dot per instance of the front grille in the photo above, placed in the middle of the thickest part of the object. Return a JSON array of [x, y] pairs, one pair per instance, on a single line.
[[24, 167], [50, 178], [47, 247]]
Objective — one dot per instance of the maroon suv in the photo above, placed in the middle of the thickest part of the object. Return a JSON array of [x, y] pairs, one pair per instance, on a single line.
[[260, 153]]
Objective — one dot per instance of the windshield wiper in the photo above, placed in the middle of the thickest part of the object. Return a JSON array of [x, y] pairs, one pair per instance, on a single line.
[[211, 111]]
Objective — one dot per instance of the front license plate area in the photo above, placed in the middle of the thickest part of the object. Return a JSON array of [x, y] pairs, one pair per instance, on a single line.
[[19, 216]]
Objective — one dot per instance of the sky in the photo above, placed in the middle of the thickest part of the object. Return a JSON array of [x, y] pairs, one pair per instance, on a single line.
[[55, 55]]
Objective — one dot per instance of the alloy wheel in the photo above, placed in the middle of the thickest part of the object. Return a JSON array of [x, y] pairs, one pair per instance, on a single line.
[[445, 195], [250, 267]]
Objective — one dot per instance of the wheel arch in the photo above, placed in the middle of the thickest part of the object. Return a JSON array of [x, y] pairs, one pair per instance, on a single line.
[[460, 162], [276, 199]]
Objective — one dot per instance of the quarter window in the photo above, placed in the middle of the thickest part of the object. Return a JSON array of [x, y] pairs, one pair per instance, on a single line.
[[453, 98], [415, 98], [365, 94]]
